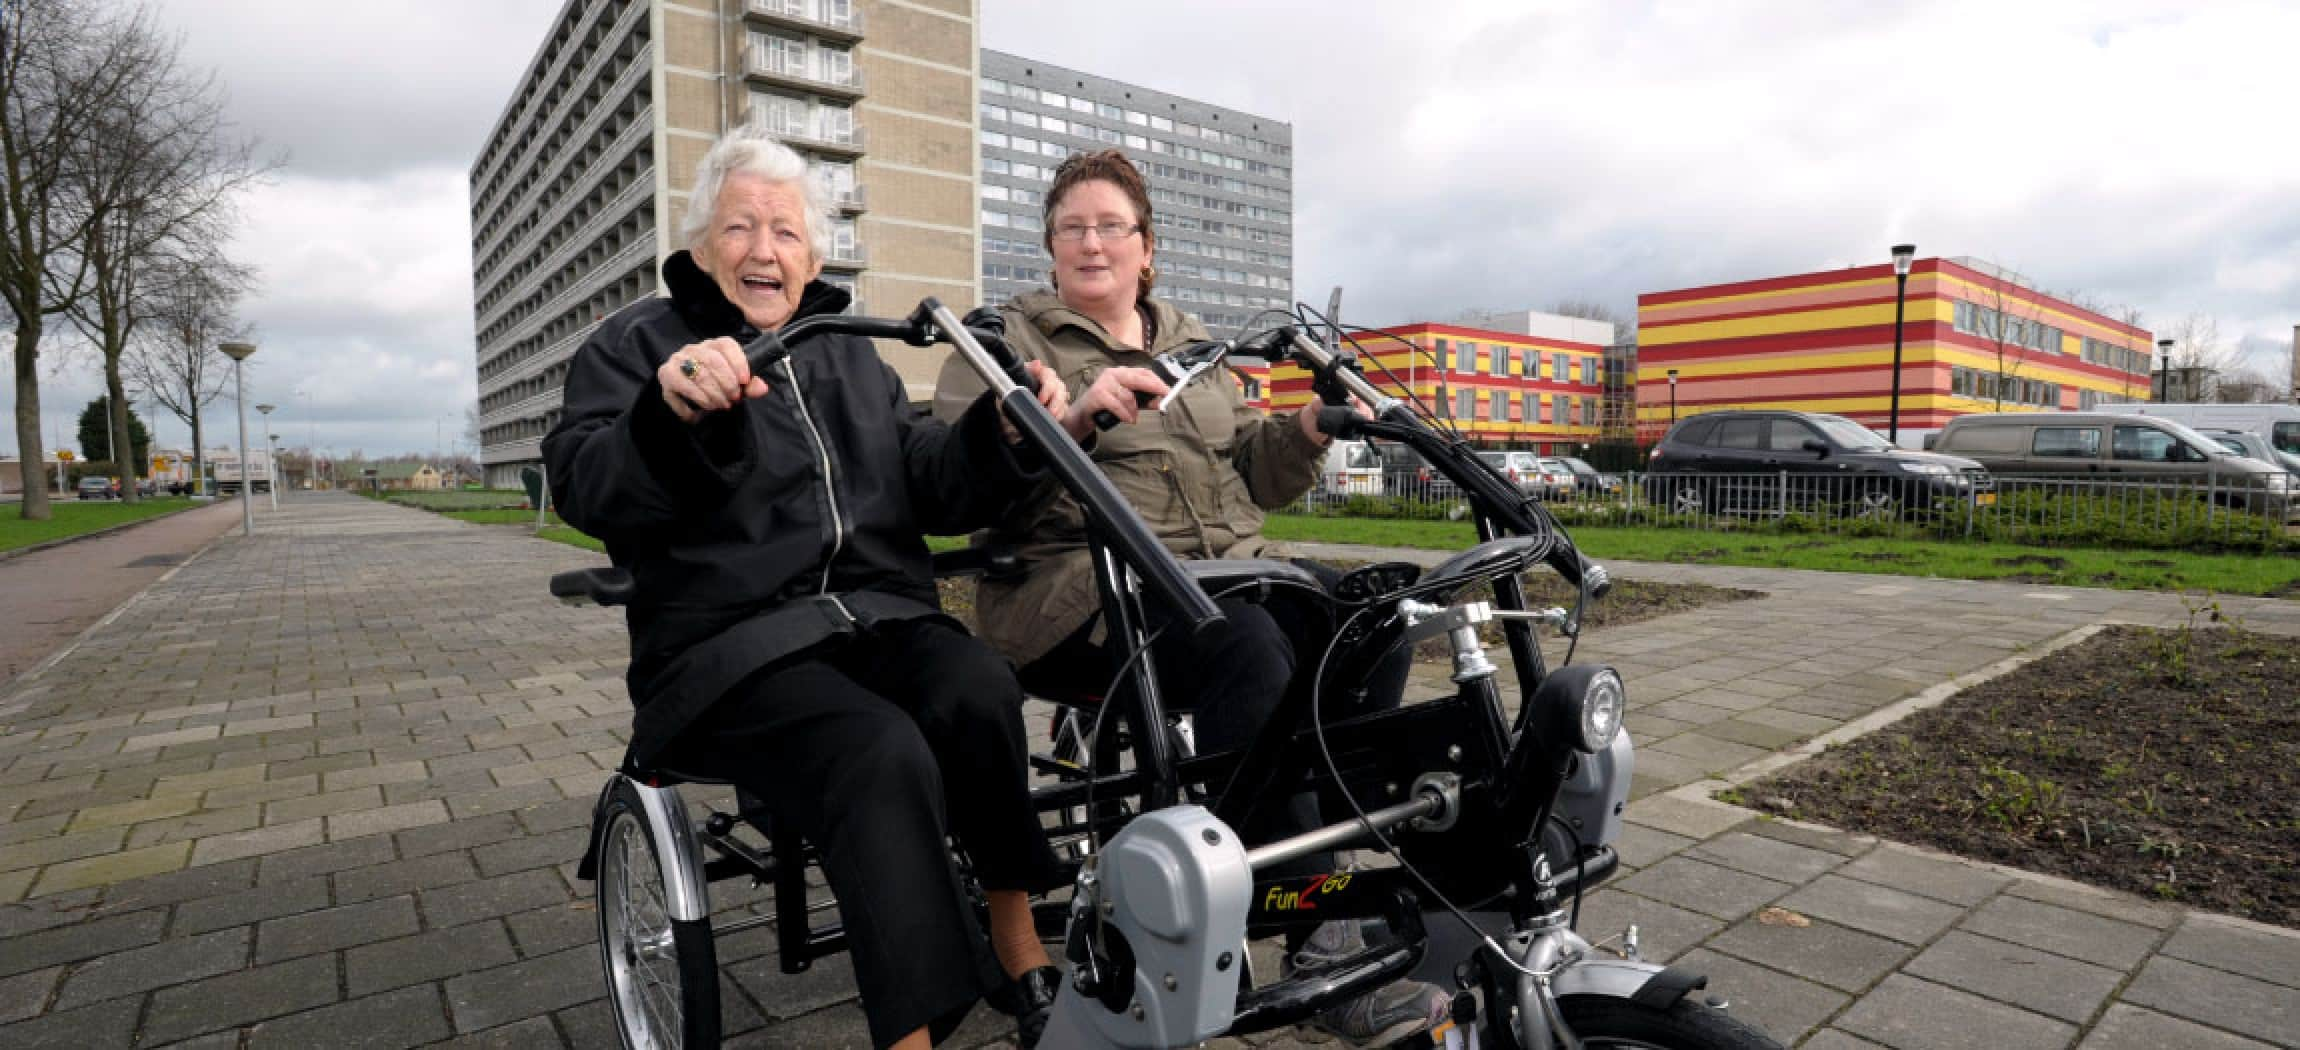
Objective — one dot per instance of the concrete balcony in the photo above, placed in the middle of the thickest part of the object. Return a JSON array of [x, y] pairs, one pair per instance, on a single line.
[[847, 257], [850, 199], [811, 73], [808, 16], [812, 131]]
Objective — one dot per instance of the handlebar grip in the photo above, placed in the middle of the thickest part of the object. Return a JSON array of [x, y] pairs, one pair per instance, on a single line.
[[1103, 420], [767, 349], [1338, 421], [1578, 570]]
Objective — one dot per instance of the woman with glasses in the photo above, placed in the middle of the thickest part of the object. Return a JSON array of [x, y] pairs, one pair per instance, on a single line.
[[1201, 473]]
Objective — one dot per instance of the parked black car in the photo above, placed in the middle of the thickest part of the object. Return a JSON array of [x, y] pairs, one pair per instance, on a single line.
[[1590, 481], [1405, 476], [1761, 460]]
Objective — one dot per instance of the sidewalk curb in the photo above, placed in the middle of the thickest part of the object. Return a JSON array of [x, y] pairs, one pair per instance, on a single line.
[[105, 531]]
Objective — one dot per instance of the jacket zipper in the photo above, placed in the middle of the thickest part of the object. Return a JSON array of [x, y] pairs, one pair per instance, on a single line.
[[830, 489]]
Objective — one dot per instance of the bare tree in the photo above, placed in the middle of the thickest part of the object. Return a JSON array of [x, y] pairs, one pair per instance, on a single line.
[[2131, 316], [173, 358], [60, 64], [2245, 386], [2197, 357], [2005, 324], [1588, 310], [158, 190]]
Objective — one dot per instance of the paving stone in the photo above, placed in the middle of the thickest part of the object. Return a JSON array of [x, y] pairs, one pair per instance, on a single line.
[[426, 957], [1833, 955], [332, 928], [1812, 836], [490, 898], [2222, 943], [1768, 857], [159, 965], [490, 830], [385, 880], [124, 813], [546, 930], [1679, 816], [2075, 934], [73, 942], [195, 826], [262, 791], [1941, 878], [57, 849], [504, 799], [1873, 909], [524, 989], [1704, 887], [105, 1024], [111, 867], [784, 996], [26, 994], [2120, 906], [2033, 980], [323, 859], [1663, 932], [1834, 1039], [276, 839], [2227, 1001], [190, 884], [1780, 1005], [2132, 1028], [534, 1033], [240, 998], [386, 819], [308, 806], [522, 853], [408, 1017], [1908, 1014], [238, 909]]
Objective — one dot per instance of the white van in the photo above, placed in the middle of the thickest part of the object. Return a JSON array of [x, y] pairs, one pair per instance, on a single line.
[[2278, 424], [1352, 468]]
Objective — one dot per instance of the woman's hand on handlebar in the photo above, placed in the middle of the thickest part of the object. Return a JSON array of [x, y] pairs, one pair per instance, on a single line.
[[707, 377], [1052, 393], [1115, 391], [1308, 418]]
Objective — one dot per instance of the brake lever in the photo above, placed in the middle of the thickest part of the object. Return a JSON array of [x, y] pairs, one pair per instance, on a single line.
[[1177, 368]]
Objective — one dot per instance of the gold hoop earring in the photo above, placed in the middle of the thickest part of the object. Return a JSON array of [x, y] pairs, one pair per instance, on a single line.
[[1149, 272]]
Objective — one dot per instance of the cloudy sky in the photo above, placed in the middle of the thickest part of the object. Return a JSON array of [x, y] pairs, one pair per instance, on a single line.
[[1449, 154]]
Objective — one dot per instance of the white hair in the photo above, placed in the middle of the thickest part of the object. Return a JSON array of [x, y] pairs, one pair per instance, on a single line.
[[752, 150]]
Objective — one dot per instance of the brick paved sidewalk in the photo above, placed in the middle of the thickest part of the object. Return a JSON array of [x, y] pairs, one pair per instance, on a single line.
[[326, 787]]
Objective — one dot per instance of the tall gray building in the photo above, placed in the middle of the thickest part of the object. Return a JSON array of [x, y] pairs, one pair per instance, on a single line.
[[1221, 181]]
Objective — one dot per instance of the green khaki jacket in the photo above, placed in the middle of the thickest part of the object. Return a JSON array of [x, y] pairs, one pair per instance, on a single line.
[[1201, 474]]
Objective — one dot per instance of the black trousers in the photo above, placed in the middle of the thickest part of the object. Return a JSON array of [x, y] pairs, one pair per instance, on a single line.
[[1233, 679], [873, 747]]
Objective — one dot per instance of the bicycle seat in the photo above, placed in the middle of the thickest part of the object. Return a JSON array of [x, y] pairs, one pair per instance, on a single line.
[[1258, 575], [602, 586]]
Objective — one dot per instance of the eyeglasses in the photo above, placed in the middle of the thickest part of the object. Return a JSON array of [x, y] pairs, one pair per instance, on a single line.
[[1109, 231]]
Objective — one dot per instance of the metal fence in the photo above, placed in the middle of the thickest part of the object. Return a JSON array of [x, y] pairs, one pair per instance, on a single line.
[[2230, 512]]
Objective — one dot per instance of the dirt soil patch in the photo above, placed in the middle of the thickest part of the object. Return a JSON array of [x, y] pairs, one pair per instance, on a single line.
[[2039, 560], [2163, 763]]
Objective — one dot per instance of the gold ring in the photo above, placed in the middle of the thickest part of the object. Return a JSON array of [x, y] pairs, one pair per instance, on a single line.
[[687, 367]]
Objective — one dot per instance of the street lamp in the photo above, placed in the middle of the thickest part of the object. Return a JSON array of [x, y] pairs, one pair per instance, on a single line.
[[1903, 255], [1672, 397], [272, 459], [2164, 371], [239, 352]]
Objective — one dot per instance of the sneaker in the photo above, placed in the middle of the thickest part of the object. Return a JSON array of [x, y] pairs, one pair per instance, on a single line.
[[1379, 1017]]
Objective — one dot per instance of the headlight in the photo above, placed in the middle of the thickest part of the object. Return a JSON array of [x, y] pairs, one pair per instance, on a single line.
[[1602, 704], [1924, 468]]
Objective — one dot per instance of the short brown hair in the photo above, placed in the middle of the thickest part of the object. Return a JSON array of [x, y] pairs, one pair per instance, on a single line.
[[1109, 166]]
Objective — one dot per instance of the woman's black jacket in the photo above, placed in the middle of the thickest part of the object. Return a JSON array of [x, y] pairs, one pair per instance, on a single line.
[[762, 530]]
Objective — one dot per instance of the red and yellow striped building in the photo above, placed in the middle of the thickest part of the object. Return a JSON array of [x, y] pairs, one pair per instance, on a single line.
[[1974, 340], [1502, 389]]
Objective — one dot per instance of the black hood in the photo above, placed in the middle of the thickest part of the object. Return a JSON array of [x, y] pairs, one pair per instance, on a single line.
[[706, 310]]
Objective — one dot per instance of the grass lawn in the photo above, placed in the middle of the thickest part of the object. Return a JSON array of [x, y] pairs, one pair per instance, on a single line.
[[2127, 570], [460, 499], [74, 517]]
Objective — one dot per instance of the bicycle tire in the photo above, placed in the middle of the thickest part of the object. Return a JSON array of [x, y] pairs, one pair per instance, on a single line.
[[656, 1007]]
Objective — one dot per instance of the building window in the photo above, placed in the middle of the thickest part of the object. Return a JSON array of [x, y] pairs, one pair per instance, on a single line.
[[1557, 367], [1465, 404], [1498, 361], [1468, 359], [1498, 407], [1441, 355]]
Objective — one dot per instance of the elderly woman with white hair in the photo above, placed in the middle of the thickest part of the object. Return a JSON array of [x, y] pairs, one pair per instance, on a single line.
[[786, 633]]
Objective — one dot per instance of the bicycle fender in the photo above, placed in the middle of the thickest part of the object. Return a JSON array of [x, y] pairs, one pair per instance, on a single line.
[[1615, 979]]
